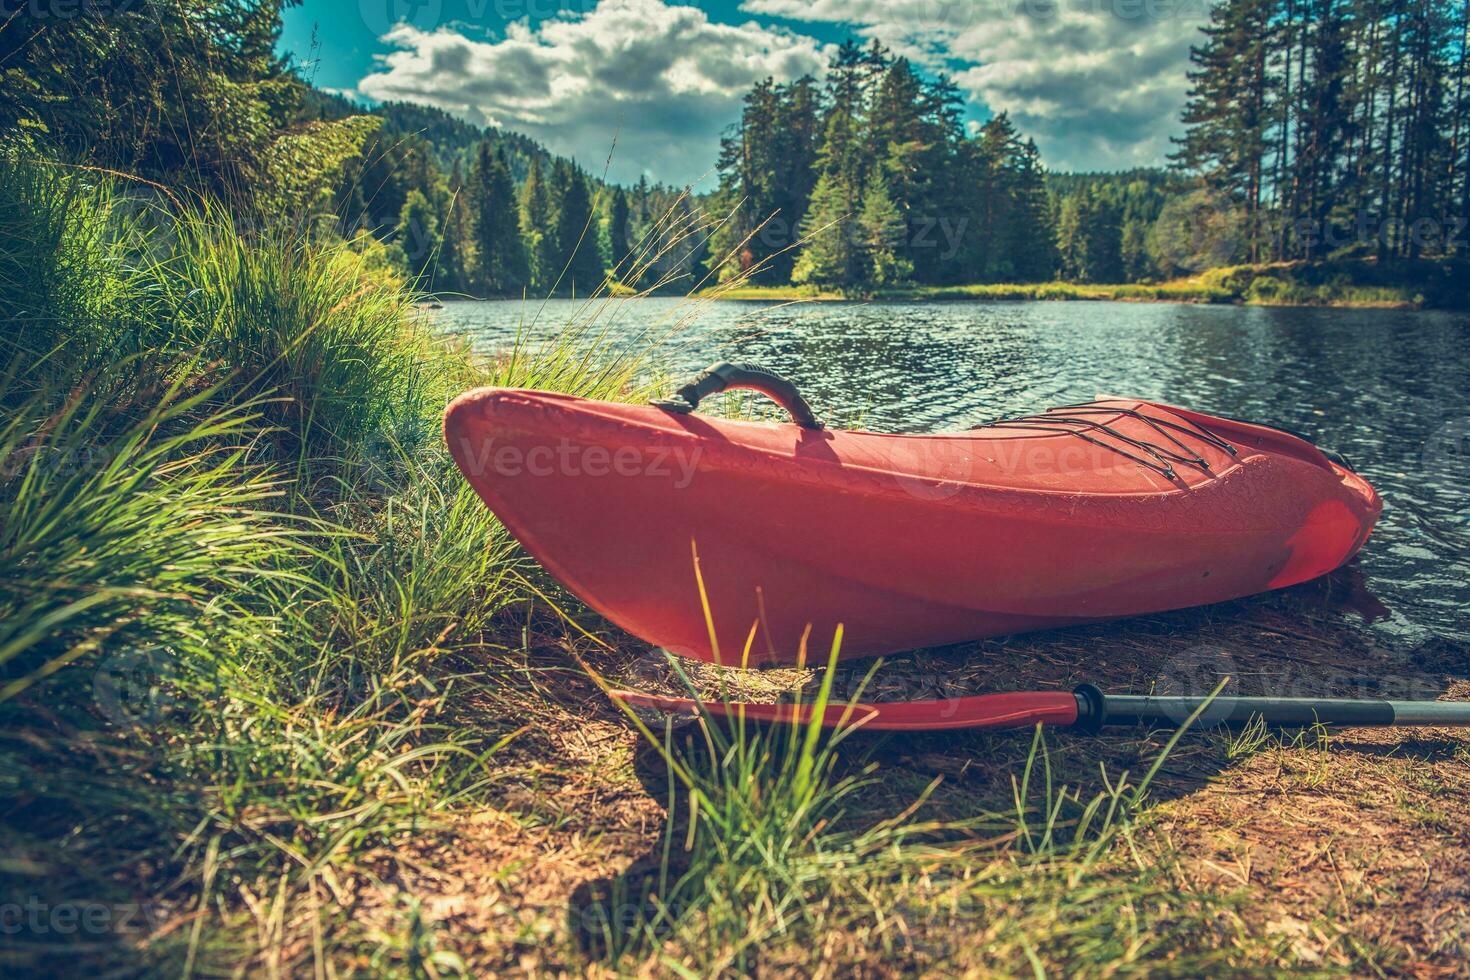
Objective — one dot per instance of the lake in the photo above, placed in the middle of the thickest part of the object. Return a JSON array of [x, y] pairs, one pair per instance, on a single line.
[[1389, 389]]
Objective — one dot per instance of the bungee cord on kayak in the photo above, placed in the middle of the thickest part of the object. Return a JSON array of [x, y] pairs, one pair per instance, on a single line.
[[1061, 420]]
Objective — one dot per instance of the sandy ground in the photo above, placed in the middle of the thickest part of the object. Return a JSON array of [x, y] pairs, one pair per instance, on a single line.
[[1350, 847]]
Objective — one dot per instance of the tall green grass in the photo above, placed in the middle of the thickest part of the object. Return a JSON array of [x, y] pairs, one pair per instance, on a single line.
[[309, 324], [236, 562], [254, 626]]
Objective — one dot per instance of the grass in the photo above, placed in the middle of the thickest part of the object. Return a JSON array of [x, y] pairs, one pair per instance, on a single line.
[[278, 695], [772, 856], [1348, 283], [236, 560]]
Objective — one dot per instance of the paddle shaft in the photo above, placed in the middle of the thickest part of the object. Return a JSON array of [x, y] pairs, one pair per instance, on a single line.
[[1095, 709]]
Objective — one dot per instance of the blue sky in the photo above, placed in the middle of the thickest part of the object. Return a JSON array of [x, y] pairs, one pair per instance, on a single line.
[[1098, 83]]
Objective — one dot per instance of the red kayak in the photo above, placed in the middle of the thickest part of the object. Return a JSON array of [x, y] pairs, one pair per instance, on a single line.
[[1115, 508]]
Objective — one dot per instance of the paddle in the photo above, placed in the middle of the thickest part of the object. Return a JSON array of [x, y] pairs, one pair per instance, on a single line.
[[1086, 708]]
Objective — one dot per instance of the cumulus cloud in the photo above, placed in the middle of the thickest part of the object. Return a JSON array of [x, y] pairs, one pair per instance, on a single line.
[[1099, 83], [664, 79]]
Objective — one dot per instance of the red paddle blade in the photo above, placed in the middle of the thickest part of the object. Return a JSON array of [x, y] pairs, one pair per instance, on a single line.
[[1017, 710]]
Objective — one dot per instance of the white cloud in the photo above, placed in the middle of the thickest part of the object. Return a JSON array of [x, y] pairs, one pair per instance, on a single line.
[[663, 79], [1099, 83]]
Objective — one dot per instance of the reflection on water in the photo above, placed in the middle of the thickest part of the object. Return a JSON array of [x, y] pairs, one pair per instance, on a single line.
[[1389, 389]]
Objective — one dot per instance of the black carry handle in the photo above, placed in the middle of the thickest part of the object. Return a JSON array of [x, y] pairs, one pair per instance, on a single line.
[[724, 375]]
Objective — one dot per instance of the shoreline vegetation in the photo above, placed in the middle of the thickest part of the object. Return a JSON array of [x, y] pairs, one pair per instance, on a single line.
[[1418, 286]]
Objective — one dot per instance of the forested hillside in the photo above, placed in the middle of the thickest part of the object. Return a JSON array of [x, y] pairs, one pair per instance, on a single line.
[[187, 99], [1313, 131]]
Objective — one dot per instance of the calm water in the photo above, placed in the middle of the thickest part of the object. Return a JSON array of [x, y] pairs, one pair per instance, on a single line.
[[1390, 390]]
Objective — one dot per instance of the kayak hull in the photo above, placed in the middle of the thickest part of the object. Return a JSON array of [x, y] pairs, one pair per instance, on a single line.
[[906, 541]]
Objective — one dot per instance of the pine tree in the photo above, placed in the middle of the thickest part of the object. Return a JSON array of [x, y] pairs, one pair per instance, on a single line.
[[1034, 237], [916, 128], [618, 240], [1071, 239], [1102, 239], [500, 257], [416, 238], [996, 211], [883, 230], [1230, 108], [832, 255], [579, 264], [767, 171], [538, 229], [1322, 128], [1134, 251], [798, 138], [845, 152], [457, 252]]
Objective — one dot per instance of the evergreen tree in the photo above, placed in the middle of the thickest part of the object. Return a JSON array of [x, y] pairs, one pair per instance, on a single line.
[[1034, 258], [579, 264], [188, 92], [1102, 238], [793, 161], [1322, 129], [831, 255], [416, 238], [1326, 119], [500, 257], [618, 239], [766, 177], [1071, 237], [846, 153], [1230, 108], [538, 230], [883, 230], [1133, 249], [457, 253]]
